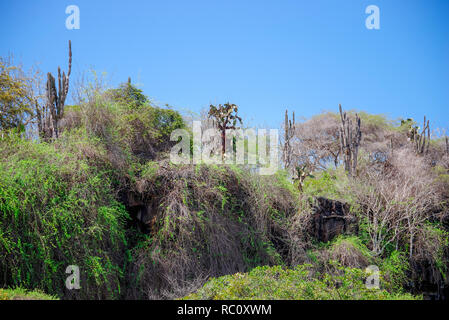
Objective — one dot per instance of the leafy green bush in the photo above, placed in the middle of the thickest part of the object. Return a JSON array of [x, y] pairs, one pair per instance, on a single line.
[[56, 211], [124, 128], [395, 269], [15, 105], [349, 251], [300, 283], [331, 183], [127, 94], [23, 294]]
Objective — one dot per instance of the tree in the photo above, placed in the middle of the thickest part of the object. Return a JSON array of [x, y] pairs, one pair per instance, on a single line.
[[15, 104], [315, 143], [127, 94], [225, 118], [396, 200], [350, 137]]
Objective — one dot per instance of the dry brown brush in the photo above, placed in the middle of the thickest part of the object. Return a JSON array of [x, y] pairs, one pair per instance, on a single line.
[[210, 221]]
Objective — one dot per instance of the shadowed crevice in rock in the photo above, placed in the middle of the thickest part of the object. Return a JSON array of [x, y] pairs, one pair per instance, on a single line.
[[143, 212], [332, 218]]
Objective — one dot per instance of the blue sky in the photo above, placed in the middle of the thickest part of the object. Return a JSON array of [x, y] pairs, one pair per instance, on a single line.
[[265, 56]]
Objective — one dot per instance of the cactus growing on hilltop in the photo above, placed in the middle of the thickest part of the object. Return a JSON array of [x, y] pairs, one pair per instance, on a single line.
[[49, 115], [289, 133], [421, 143], [350, 138]]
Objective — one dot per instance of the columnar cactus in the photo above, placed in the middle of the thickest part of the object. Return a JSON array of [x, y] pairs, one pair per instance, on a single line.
[[49, 115], [419, 140], [447, 146], [289, 133], [421, 143], [350, 137]]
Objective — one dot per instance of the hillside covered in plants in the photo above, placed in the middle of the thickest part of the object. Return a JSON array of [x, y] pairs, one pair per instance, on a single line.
[[91, 184]]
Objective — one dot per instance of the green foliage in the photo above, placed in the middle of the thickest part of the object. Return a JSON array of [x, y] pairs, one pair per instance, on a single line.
[[439, 241], [15, 104], [367, 119], [164, 121], [281, 180], [442, 176], [139, 130], [322, 184], [59, 206], [350, 243], [300, 283], [127, 94], [376, 120], [225, 115], [332, 184], [57, 211], [212, 220], [149, 170], [23, 294], [395, 269]]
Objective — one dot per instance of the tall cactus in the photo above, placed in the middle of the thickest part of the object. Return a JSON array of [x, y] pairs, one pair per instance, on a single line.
[[350, 137], [53, 111], [447, 146], [420, 141], [289, 133]]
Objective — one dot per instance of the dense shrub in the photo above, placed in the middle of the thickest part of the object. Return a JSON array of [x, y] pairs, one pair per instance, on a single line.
[[57, 211], [22, 294], [395, 269], [300, 283], [211, 221], [141, 130]]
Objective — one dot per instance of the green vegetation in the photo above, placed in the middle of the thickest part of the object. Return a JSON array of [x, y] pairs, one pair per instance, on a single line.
[[56, 211], [101, 194], [22, 294], [300, 283], [15, 105]]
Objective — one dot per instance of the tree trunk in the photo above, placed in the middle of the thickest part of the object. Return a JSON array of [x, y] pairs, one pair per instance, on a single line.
[[223, 144]]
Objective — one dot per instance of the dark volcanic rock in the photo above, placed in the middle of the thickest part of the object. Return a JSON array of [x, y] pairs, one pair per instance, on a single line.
[[142, 212], [331, 218]]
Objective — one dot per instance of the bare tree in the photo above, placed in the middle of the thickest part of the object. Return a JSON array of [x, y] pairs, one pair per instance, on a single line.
[[315, 143], [395, 202]]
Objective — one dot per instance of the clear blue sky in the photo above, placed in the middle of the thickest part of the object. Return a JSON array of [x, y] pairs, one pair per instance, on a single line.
[[264, 56]]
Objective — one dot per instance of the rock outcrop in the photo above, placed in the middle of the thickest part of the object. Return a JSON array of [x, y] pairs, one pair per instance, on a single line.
[[332, 218], [142, 212]]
